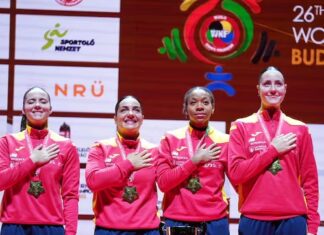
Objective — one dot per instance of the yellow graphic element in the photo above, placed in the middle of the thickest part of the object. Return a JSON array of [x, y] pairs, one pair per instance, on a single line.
[[226, 26], [186, 4], [307, 57]]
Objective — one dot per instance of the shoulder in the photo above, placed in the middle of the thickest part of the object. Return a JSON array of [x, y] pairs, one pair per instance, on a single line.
[[251, 119], [64, 142], [293, 122], [147, 145], [218, 136], [179, 133], [58, 138], [18, 136], [106, 142]]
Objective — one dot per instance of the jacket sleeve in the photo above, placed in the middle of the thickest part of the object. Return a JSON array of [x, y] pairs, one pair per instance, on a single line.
[[99, 176], [11, 175], [240, 167], [309, 181], [168, 175], [70, 189]]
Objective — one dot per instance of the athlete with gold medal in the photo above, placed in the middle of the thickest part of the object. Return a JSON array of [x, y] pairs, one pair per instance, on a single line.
[[191, 170], [39, 173]]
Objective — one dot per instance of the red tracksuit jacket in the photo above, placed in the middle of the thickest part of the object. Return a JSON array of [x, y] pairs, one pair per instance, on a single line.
[[60, 178], [175, 168], [107, 173], [292, 191]]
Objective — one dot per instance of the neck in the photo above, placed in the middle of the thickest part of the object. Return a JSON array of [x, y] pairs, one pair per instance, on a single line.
[[271, 110], [129, 136], [37, 127], [198, 127]]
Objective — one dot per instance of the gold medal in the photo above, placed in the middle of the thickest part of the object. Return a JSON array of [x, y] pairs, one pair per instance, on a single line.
[[275, 167], [36, 188], [130, 194], [194, 184]]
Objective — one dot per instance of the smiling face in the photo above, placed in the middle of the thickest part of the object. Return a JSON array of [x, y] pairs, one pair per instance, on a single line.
[[199, 108], [129, 118], [37, 108], [272, 89]]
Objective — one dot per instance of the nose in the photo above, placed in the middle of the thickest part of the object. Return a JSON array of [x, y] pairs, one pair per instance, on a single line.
[[272, 87], [37, 104], [130, 113], [200, 106]]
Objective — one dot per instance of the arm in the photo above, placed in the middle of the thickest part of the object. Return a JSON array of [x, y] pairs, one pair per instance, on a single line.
[[99, 176], [70, 190], [169, 176], [12, 175], [309, 181], [240, 167]]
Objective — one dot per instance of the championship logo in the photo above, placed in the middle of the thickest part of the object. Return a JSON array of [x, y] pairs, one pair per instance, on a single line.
[[214, 31], [68, 2]]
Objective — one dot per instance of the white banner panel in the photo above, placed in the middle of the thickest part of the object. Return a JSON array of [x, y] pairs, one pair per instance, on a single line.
[[71, 5], [3, 125], [72, 89], [85, 227], [317, 131], [62, 38], [4, 35], [5, 3], [85, 201], [3, 86]]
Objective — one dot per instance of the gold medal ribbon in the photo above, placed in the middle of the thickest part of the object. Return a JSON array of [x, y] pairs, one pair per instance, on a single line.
[[275, 166], [130, 193], [194, 184], [35, 186]]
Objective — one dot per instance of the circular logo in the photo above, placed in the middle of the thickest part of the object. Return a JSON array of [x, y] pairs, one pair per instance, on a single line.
[[220, 34], [68, 2]]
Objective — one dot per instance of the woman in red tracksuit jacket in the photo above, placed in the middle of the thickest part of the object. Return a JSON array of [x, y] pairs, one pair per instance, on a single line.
[[271, 159], [122, 176], [191, 169], [39, 172]]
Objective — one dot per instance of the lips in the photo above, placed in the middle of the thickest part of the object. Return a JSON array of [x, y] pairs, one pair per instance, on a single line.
[[130, 121], [200, 115]]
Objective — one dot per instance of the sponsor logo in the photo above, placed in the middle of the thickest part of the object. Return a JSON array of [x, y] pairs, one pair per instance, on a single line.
[[181, 148], [96, 90], [56, 39], [253, 136]]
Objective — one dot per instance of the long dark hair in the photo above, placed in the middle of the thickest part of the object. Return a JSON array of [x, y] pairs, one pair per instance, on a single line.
[[23, 122]]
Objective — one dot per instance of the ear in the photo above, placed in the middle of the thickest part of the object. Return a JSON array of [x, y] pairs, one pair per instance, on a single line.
[[258, 89], [115, 118], [51, 110]]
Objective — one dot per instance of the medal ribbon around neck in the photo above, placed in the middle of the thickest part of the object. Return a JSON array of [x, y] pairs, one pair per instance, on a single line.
[[189, 142], [35, 186], [265, 129], [30, 148], [123, 154], [275, 166], [194, 184]]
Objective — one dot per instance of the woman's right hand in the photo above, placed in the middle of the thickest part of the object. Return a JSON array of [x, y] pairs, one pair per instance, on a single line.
[[204, 154], [284, 143], [140, 160], [43, 155]]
